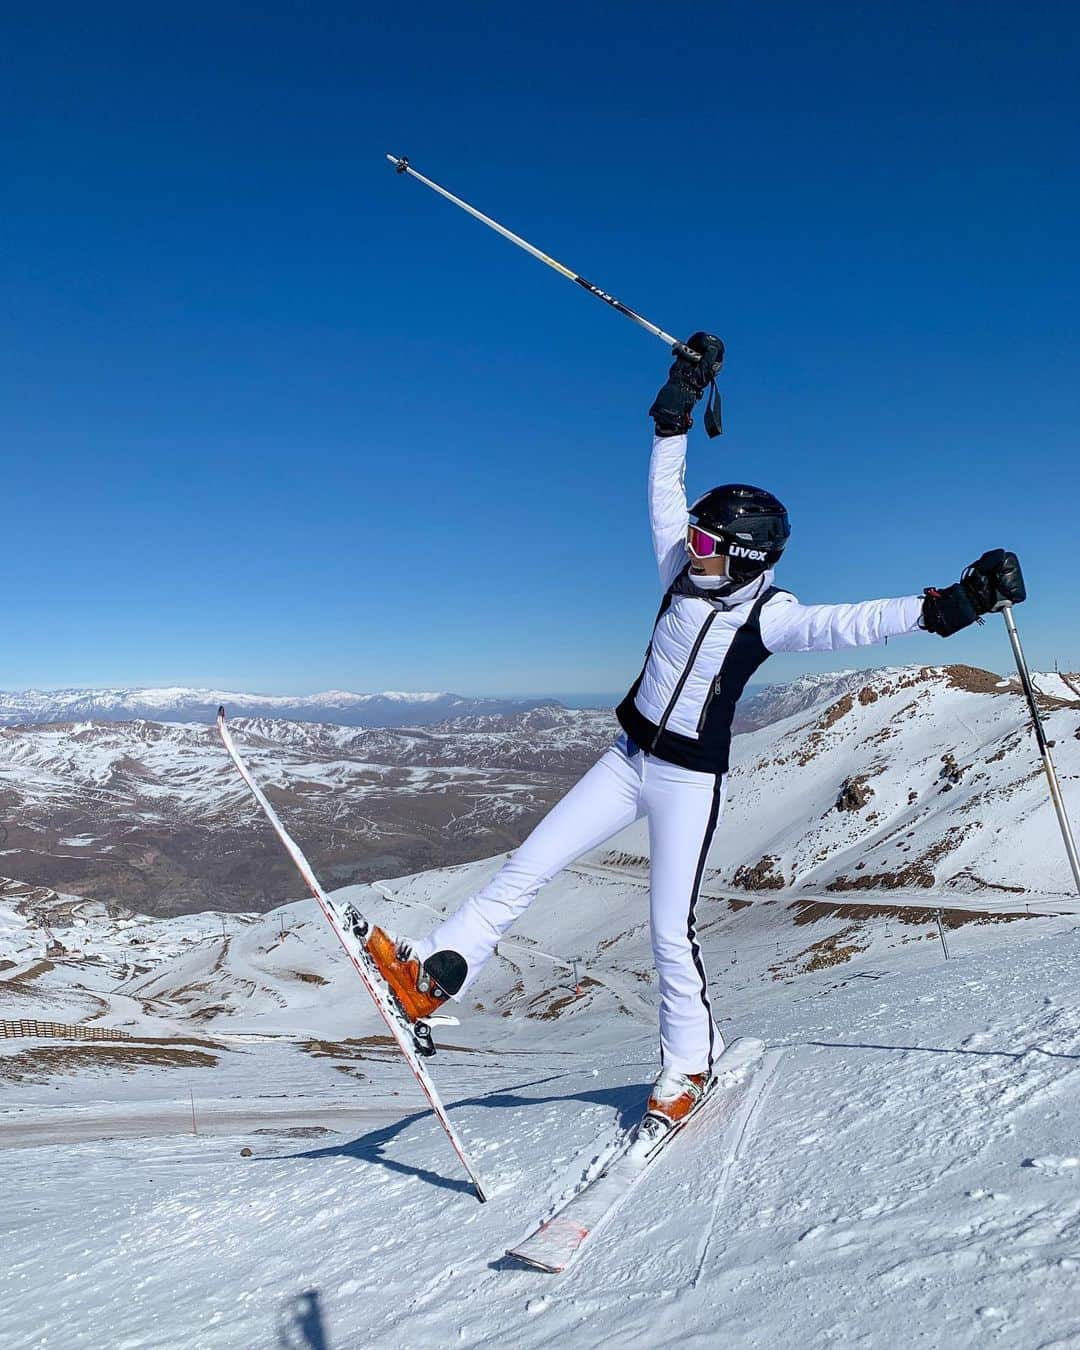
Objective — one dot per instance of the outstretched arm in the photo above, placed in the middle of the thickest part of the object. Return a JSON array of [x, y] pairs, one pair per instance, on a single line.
[[671, 412], [988, 584], [793, 627]]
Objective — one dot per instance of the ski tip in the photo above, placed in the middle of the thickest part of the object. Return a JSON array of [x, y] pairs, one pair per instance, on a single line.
[[221, 712]]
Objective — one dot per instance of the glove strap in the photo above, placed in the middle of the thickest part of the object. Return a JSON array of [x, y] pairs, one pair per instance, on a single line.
[[713, 421]]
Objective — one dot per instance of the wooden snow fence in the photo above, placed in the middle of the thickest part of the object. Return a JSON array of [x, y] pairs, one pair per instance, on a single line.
[[65, 1031]]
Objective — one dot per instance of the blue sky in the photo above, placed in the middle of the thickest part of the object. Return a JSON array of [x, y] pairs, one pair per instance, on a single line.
[[275, 418]]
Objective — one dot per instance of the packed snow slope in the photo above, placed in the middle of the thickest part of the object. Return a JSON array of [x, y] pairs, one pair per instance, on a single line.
[[910, 1176]]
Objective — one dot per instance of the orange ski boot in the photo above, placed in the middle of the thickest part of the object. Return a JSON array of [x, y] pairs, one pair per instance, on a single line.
[[674, 1096], [419, 987]]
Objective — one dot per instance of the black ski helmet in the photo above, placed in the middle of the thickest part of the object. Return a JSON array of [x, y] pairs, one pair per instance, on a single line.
[[752, 522]]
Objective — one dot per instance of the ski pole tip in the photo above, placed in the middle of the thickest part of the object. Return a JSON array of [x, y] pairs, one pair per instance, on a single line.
[[400, 162]]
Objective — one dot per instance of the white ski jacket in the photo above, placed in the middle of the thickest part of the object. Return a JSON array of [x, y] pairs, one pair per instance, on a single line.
[[705, 647]]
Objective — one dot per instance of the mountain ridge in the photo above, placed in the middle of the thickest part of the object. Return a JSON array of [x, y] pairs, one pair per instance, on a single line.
[[181, 703]]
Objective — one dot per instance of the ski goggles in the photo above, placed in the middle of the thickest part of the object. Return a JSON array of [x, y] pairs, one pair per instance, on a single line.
[[702, 544]]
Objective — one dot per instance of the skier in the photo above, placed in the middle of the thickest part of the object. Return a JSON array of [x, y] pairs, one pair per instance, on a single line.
[[720, 618]]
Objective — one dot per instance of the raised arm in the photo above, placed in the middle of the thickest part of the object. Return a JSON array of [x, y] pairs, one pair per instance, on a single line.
[[668, 514], [672, 413]]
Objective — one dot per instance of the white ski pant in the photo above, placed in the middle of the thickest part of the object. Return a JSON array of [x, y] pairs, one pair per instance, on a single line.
[[682, 806]]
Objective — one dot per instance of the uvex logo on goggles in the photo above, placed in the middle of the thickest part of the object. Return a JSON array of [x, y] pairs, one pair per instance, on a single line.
[[702, 544]]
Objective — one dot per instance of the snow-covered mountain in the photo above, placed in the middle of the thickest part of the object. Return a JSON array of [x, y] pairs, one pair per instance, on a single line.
[[914, 778], [897, 778], [388, 709], [767, 703], [152, 814]]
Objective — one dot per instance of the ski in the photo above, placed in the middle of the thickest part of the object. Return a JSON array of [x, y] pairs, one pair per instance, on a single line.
[[554, 1244], [349, 926]]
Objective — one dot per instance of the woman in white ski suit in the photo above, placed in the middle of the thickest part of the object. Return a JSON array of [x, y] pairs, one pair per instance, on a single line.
[[671, 762], [702, 653]]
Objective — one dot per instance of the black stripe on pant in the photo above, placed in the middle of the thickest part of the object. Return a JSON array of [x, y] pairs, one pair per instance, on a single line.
[[691, 932], [691, 917]]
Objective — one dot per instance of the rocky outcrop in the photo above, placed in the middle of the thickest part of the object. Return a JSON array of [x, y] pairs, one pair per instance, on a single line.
[[760, 876], [854, 794]]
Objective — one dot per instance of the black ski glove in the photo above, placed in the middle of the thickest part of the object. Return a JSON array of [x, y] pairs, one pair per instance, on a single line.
[[990, 583], [687, 381]]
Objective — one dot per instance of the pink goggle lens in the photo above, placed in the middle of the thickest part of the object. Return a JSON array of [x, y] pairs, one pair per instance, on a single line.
[[702, 545]]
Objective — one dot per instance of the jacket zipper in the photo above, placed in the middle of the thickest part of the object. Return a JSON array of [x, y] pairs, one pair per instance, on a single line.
[[683, 678], [714, 689]]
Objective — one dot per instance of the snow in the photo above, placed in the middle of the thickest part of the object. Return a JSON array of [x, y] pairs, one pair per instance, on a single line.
[[743, 1074], [911, 1178]]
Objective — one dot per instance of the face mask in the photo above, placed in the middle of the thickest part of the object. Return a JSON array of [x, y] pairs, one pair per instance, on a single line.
[[705, 583]]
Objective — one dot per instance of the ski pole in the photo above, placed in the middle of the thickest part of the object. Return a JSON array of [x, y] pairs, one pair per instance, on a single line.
[[403, 166], [941, 933], [1044, 747]]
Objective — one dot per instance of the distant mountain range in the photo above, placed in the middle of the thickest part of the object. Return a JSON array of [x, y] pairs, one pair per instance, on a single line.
[[761, 705], [33, 707], [903, 777]]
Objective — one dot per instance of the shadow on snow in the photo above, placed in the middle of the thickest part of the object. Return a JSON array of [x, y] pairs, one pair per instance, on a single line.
[[300, 1323], [627, 1102]]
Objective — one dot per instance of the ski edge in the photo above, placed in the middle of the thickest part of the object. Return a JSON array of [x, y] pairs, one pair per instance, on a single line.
[[358, 961]]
